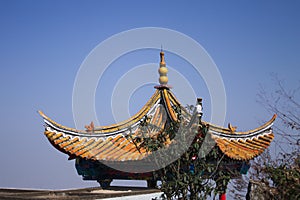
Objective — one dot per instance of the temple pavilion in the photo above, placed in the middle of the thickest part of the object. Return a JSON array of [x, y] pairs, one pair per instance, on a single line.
[[95, 148]]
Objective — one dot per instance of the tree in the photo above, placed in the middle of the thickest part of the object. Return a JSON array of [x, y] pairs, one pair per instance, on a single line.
[[279, 172], [286, 104], [190, 176]]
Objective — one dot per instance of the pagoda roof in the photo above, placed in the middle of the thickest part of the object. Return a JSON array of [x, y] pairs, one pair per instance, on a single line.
[[116, 142]]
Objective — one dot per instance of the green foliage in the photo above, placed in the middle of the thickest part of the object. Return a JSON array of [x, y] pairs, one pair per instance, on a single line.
[[188, 177], [281, 176], [286, 179]]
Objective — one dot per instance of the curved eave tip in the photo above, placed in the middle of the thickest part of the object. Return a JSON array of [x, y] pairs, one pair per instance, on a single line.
[[274, 117], [41, 113]]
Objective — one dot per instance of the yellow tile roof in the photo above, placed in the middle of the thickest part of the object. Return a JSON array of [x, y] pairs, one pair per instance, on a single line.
[[116, 142]]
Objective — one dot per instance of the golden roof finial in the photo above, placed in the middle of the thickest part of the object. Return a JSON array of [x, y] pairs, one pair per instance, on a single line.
[[163, 70], [162, 58]]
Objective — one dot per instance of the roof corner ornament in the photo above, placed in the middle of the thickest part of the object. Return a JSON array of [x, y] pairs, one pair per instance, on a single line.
[[90, 127], [199, 108], [232, 128]]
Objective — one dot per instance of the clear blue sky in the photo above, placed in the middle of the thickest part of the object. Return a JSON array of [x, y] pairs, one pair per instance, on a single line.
[[43, 43]]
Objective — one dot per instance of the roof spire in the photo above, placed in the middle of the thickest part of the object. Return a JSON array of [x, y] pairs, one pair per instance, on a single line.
[[163, 70]]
